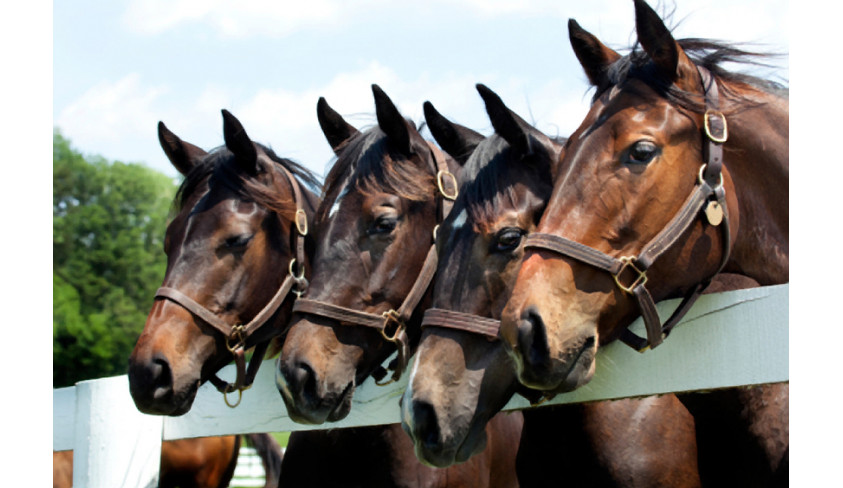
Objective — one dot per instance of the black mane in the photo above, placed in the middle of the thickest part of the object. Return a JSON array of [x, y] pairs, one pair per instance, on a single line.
[[488, 177], [707, 53], [367, 162], [219, 167]]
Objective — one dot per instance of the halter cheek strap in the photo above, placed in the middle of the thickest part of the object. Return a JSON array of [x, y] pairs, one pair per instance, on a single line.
[[237, 335], [630, 272]]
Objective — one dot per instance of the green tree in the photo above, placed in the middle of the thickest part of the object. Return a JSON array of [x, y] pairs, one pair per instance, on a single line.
[[109, 220]]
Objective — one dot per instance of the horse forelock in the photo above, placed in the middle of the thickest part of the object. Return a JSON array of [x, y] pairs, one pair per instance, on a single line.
[[488, 178], [366, 164], [269, 188]]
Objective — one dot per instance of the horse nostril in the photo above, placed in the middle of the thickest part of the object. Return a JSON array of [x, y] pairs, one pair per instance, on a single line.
[[301, 379], [426, 426], [532, 337], [161, 377]]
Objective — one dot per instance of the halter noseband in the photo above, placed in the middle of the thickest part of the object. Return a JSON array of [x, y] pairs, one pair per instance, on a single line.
[[392, 323], [237, 335], [708, 196]]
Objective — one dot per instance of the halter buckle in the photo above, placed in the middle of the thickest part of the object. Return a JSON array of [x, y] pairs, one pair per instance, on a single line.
[[391, 315], [301, 222], [440, 176], [723, 133], [640, 280]]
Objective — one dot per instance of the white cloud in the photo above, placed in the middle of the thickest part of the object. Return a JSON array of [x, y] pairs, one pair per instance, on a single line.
[[243, 18], [112, 116]]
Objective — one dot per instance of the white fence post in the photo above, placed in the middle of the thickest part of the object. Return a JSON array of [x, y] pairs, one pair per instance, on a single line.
[[115, 445]]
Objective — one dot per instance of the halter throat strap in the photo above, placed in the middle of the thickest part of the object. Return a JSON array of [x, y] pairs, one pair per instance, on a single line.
[[630, 272]]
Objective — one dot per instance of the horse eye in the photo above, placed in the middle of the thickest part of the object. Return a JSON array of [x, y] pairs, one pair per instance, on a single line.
[[238, 242], [508, 239], [383, 225], [642, 152]]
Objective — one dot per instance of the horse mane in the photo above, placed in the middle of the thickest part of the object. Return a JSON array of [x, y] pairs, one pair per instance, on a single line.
[[488, 177], [709, 54], [220, 166], [366, 162]]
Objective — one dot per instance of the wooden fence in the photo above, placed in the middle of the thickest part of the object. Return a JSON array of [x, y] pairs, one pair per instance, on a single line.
[[728, 339]]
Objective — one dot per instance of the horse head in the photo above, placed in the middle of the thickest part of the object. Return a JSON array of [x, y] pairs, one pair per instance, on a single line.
[[375, 233], [241, 219], [647, 207], [462, 375]]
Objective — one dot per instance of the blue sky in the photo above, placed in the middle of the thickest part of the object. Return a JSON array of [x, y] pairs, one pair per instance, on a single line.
[[119, 67]]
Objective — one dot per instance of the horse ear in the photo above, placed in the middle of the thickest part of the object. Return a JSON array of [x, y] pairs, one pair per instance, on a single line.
[[670, 59], [238, 142], [507, 123], [335, 128], [183, 155], [392, 122], [593, 55], [455, 139]]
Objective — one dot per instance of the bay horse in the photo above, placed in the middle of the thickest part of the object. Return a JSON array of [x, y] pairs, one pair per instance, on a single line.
[[202, 462], [383, 198], [678, 172], [240, 212], [462, 375]]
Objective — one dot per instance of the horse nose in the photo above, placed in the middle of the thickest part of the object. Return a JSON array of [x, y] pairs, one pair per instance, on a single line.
[[150, 381], [532, 338]]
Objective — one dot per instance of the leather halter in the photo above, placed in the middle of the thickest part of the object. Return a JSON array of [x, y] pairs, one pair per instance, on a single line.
[[392, 323], [707, 195], [237, 335]]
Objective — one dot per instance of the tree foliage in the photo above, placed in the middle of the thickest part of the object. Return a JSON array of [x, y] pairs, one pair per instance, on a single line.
[[109, 220]]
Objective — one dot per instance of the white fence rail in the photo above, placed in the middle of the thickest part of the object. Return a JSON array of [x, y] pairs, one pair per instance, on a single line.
[[728, 339]]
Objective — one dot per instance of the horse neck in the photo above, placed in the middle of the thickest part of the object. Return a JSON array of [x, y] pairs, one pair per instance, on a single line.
[[756, 156]]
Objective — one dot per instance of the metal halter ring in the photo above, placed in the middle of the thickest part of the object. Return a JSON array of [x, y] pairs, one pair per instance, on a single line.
[[439, 182], [301, 222], [700, 179], [236, 334], [293, 274], [628, 263], [390, 380], [389, 316], [301, 282], [231, 388]]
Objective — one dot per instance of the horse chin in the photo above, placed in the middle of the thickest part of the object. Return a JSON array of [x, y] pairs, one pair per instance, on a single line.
[[325, 411], [559, 376], [343, 407], [169, 403], [439, 456]]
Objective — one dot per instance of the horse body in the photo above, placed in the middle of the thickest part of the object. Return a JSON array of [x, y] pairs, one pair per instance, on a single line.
[[462, 377], [651, 138], [382, 456], [375, 231]]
